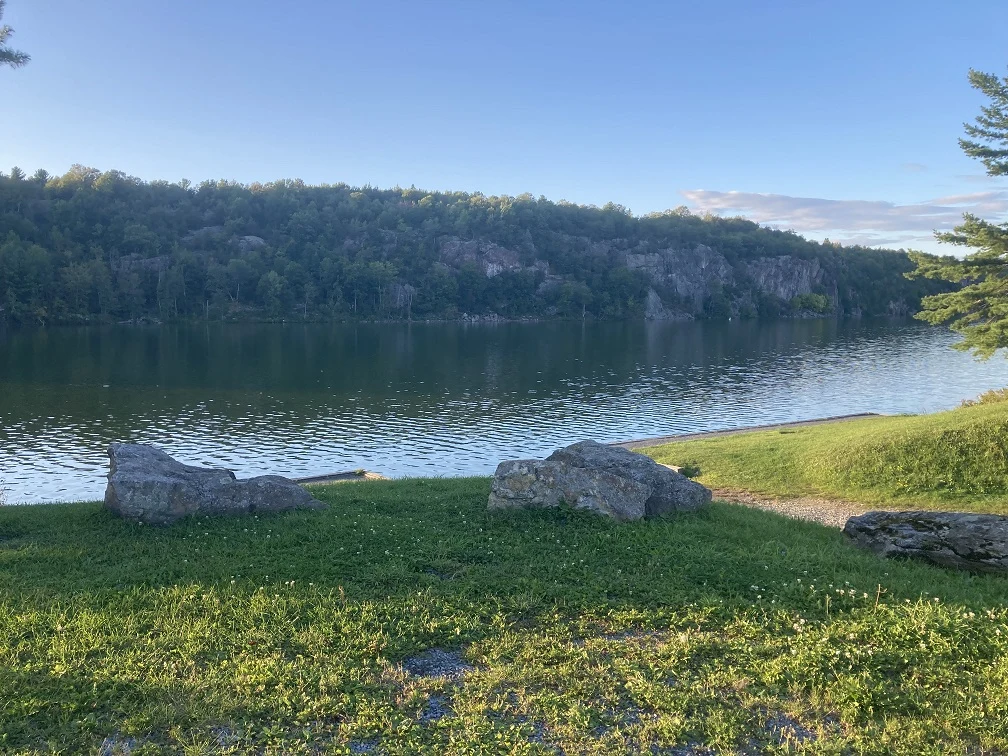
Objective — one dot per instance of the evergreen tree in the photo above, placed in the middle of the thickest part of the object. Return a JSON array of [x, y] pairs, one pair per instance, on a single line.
[[979, 309], [9, 56]]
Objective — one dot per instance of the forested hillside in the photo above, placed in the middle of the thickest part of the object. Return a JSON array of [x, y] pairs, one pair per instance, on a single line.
[[91, 246]]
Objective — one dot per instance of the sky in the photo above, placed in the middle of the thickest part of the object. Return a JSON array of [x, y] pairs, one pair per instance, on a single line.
[[836, 119]]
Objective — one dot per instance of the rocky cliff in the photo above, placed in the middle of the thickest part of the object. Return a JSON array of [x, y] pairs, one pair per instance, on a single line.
[[685, 282]]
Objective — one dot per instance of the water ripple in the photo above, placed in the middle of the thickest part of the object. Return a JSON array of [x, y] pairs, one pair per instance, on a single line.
[[444, 401]]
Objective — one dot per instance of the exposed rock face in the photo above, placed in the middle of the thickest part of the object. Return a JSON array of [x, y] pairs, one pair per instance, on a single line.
[[248, 243], [695, 274], [692, 273], [898, 308], [785, 277], [491, 258], [974, 542], [654, 309], [148, 485], [608, 480]]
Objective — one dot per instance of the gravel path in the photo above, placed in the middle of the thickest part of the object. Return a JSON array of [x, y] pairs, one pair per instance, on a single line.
[[824, 511]]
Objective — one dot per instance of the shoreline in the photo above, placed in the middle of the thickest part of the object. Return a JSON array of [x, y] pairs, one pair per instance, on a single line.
[[464, 319], [643, 443]]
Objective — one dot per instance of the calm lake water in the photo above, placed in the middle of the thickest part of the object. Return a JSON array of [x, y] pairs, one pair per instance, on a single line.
[[438, 399]]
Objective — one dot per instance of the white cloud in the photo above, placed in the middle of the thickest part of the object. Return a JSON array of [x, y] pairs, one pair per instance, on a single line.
[[866, 222]]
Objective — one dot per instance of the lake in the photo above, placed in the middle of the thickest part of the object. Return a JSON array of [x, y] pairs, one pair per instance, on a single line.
[[438, 399]]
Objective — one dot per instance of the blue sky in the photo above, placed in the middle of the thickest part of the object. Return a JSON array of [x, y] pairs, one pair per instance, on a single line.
[[837, 119]]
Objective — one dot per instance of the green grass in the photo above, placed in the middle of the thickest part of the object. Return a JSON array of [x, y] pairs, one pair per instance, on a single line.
[[731, 629], [948, 460]]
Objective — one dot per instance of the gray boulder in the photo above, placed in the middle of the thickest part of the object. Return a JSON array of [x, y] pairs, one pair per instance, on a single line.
[[974, 542], [669, 490], [533, 483], [608, 480], [148, 485]]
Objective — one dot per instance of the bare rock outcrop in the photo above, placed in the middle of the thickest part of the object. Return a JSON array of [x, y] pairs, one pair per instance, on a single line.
[[785, 277], [960, 540], [608, 480], [148, 485], [654, 309]]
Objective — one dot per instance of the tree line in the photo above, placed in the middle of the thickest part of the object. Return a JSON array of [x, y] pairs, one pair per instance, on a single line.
[[92, 246]]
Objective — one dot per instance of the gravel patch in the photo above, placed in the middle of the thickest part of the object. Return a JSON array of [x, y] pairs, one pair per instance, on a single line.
[[687, 749], [117, 745], [437, 662], [225, 736], [437, 707], [830, 512], [363, 746]]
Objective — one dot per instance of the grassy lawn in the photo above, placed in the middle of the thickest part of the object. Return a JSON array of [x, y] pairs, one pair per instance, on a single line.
[[731, 630], [948, 460]]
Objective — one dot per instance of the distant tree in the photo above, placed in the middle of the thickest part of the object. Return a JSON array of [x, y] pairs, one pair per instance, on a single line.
[[95, 246], [979, 309], [9, 56], [271, 290]]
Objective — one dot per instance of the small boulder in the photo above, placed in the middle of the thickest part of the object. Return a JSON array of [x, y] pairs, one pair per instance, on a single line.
[[960, 540], [148, 485], [608, 480]]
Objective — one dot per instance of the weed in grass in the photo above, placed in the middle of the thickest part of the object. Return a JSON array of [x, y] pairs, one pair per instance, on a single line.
[[988, 397], [690, 469]]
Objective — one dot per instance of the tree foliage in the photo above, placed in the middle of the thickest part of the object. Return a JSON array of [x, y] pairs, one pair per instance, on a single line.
[[8, 55], [92, 246], [978, 307]]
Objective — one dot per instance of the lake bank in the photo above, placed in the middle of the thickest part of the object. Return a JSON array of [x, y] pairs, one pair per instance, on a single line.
[[956, 459]]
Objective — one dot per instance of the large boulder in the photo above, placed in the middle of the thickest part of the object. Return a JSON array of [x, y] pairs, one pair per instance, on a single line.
[[670, 491], [974, 542], [533, 483], [608, 480], [148, 485]]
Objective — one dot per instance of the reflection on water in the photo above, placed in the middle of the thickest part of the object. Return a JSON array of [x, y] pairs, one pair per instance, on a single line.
[[438, 399]]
